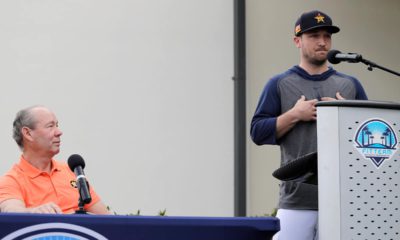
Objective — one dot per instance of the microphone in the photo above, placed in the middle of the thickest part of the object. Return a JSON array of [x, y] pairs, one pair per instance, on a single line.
[[77, 164], [335, 57]]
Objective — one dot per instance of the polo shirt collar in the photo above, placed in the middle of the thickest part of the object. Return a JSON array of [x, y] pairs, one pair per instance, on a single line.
[[32, 171]]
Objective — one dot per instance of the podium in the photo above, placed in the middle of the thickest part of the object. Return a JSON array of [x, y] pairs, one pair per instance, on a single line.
[[358, 170], [101, 227]]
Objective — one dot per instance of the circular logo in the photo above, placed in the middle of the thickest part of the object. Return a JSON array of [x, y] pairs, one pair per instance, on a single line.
[[376, 140], [48, 231]]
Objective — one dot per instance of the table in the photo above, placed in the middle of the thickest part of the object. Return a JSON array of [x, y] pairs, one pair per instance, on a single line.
[[79, 226]]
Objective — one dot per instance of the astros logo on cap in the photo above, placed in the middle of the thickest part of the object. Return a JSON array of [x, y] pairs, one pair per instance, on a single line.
[[319, 18]]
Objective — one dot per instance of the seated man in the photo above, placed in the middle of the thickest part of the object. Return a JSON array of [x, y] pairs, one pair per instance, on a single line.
[[38, 183]]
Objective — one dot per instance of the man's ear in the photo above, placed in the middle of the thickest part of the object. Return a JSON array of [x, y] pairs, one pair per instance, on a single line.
[[297, 41], [26, 133]]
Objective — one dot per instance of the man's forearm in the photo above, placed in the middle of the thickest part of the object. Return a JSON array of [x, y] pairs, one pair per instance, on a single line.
[[285, 122]]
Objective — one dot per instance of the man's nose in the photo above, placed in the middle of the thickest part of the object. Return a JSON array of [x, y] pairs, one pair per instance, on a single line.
[[58, 132], [321, 41]]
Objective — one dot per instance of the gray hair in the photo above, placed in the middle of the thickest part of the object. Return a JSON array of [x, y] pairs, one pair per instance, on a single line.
[[24, 118]]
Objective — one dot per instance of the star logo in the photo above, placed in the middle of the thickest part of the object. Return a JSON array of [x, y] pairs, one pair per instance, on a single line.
[[319, 18]]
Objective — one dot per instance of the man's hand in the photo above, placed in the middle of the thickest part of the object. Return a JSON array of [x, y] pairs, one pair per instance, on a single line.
[[305, 110], [338, 97], [16, 205], [46, 208]]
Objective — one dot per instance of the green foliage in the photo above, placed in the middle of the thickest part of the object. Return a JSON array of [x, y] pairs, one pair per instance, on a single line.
[[272, 214], [137, 213], [162, 213], [110, 210], [134, 214]]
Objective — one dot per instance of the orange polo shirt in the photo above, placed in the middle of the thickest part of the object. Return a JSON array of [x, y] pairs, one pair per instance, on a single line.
[[34, 187]]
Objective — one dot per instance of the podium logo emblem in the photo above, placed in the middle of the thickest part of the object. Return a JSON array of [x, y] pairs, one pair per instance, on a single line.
[[376, 140], [46, 231]]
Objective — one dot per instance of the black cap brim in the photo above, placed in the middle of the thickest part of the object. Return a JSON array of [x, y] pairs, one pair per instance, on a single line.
[[329, 28]]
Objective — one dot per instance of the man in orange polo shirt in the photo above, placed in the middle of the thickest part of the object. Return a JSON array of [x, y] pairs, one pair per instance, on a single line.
[[38, 183]]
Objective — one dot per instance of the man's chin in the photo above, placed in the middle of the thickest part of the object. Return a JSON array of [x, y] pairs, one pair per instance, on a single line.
[[318, 62], [55, 151]]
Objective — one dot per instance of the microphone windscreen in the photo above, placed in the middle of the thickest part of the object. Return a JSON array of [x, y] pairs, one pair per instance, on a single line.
[[75, 160], [332, 56]]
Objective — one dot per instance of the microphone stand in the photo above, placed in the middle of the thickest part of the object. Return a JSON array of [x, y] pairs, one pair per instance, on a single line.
[[371, 65], [81, 204]]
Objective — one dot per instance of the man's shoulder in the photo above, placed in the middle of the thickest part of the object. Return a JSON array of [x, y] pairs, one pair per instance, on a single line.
[[15, 170], [276, 80], [13, 175], [283, 75]]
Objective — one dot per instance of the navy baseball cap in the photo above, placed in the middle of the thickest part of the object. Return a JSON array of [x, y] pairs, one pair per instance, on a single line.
[[313, 20]]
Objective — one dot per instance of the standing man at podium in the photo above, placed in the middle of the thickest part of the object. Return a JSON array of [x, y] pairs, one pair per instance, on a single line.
[[38, 183], [286, 115]]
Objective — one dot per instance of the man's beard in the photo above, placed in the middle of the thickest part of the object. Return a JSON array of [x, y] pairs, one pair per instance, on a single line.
[[317, 62], [314, 61]]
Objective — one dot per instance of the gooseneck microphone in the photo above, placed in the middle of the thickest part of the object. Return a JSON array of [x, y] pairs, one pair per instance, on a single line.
[[335, 57], [77, 164]]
